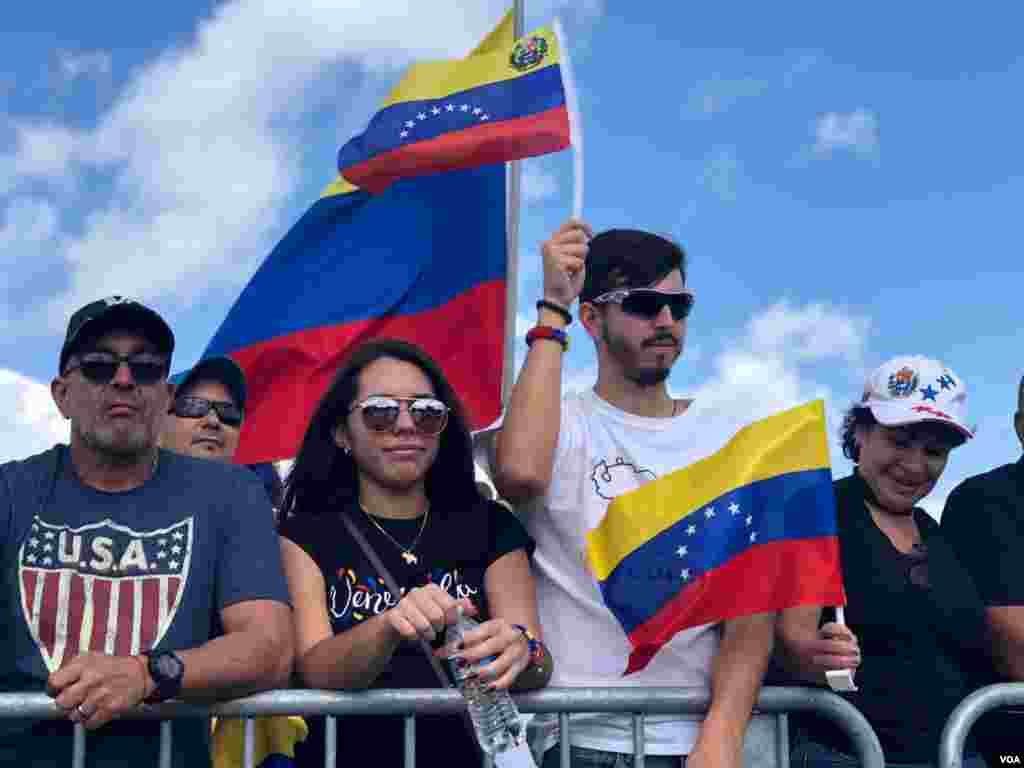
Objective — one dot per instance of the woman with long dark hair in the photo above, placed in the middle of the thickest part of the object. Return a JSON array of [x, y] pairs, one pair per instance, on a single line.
[[387, 458]]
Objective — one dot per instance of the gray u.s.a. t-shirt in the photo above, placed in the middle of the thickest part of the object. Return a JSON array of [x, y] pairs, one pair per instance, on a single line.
[[122, 573]]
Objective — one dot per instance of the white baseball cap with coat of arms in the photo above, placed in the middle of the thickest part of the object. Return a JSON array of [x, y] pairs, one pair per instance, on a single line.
[[912, 388]]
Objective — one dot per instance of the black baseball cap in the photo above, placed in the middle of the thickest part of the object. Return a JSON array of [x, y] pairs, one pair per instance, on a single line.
[[629, 258], [116, 313], [220, 368]]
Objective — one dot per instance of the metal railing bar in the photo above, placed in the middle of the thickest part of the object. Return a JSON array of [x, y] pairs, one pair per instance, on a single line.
[[963, 718]]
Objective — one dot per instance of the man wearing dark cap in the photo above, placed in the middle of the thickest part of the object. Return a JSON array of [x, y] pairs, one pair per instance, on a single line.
[[573, 455], [206, 413], [117, 558]]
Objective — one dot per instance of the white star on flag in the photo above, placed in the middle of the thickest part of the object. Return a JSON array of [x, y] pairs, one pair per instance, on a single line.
[[750, 519], [449, 107], [435, 111], [173, 564], [709, 512], [179, 535], [175, 549], [753, 536], [30, 558], [477, 110], [403, 134], [409, 123], [48, 534], [464, 107], [162, 542], [47, 547], [691, 530], [734, 508], [421, 116], [485, 117], [685, 574], [682, 551]]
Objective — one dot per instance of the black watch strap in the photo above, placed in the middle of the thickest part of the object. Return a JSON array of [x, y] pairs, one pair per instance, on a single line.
[[167, 671]]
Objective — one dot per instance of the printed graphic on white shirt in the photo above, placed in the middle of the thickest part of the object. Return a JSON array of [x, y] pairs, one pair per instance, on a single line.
[[618, 477], [101, 587]]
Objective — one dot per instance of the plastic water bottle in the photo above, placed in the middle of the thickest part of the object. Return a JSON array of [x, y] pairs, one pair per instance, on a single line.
[[495, 716]]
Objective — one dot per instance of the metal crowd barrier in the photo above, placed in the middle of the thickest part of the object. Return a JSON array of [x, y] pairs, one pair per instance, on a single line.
[[963, 718], [637, 702]]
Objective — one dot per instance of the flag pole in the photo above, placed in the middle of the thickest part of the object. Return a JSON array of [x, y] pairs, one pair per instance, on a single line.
[[512, 200]]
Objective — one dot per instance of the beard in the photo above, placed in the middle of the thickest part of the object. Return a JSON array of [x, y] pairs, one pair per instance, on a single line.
[[120, 446], [628, 357]]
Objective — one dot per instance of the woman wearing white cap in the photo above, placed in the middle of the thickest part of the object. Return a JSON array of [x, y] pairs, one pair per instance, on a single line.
[[915, 625]]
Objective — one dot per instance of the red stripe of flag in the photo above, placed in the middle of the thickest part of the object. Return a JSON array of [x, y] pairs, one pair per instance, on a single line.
[[731, 590]]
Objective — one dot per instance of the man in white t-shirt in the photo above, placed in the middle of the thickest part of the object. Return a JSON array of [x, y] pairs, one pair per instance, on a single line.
[[569, 457]]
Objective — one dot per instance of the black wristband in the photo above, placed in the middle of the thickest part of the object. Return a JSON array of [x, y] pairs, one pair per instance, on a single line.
[[558, 309]]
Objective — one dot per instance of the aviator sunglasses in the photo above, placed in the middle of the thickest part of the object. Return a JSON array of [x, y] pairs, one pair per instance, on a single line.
[[189, 407], [380, 413], [101, 367], [647, 302]]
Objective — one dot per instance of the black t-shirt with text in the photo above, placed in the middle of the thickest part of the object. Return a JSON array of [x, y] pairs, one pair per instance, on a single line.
[[921, 632], [454, 551]]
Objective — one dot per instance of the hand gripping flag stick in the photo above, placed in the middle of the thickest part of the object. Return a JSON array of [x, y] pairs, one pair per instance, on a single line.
[[840, 680]]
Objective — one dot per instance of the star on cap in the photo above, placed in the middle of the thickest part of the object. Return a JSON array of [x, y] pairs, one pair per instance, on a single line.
[[946, 381], [929, 393]]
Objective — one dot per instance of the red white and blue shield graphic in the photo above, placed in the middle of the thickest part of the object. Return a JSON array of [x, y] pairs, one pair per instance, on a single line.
[[102, 587]]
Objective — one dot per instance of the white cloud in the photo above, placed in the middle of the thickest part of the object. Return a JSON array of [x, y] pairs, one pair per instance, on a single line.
[[539, 184], [203, 147], [33, 424], [769, 368], [856, 131], [43, 151], [89, 64], [27, 223], [721, 173]]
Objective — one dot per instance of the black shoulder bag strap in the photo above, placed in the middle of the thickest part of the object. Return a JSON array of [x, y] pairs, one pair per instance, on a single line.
[[395, 590]]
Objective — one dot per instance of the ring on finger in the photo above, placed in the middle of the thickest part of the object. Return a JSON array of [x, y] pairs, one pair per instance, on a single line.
[[82, 713]]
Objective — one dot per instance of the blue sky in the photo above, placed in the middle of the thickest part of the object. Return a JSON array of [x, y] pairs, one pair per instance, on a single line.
[[846, 180]]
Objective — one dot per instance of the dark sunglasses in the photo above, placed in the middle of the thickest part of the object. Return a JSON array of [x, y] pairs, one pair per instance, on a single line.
[[189, 407], [101, 367], [380, 414], [647, 302]]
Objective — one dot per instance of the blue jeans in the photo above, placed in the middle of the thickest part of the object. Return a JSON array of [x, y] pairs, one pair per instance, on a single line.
[[812, 755], [582, 757]]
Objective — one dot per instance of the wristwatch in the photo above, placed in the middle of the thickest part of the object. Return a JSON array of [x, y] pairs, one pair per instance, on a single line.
[[167, 671]]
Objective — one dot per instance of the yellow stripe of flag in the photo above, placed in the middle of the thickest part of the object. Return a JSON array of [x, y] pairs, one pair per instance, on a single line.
[[791, 441], [437, 79]]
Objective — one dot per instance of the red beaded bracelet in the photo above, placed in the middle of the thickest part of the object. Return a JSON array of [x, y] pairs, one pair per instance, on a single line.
[[547, 332]]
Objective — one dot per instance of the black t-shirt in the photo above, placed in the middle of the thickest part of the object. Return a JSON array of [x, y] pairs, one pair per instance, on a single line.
[[920, 645], [455, 550], [984, 521]]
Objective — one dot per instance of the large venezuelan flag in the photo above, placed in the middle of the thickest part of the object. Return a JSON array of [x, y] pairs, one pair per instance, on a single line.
[[749, 529], [425, 262], [505, 101]]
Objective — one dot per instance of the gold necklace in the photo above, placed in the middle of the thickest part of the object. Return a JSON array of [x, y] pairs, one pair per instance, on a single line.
[[408, 553]]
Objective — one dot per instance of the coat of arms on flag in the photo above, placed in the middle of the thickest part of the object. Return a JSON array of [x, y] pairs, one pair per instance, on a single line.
[[101, 587]]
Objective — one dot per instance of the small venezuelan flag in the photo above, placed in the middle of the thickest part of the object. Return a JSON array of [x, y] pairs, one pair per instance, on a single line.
[[750, 529], [505, 101]]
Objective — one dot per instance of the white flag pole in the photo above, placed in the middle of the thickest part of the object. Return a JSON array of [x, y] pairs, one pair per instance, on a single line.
[[840, 679], [513, 186], [572, 107]]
